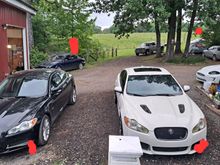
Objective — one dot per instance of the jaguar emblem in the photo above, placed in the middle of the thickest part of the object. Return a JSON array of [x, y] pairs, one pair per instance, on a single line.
[[171, 131]]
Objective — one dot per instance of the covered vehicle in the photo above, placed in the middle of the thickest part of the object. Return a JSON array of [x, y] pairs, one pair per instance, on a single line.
[[30, 102], [197, 46], [213, 53], [65, 62]]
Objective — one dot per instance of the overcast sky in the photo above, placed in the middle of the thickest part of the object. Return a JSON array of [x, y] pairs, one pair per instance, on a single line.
[[103, 20]]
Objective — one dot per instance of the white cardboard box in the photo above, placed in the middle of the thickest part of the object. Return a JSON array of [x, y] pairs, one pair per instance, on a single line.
[[124, 150]]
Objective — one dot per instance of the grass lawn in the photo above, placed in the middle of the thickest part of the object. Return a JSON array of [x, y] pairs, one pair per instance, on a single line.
[[126, 46]]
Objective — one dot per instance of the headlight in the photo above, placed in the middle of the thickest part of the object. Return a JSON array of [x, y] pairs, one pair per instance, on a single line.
[[199, 126], [25, 125], [133, 124]]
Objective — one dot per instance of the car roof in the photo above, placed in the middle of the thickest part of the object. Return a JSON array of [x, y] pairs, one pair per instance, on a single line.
[[33, 73], [147, 70]]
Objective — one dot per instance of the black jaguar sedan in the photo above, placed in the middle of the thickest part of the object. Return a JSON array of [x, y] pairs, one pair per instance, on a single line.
[[30, 101], [65, 62]]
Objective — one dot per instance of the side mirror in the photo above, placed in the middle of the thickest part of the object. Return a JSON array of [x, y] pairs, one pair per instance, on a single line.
[[118, 89], [186, 88]]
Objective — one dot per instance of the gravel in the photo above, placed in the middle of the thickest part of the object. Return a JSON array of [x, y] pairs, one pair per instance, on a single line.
[[80, 134]]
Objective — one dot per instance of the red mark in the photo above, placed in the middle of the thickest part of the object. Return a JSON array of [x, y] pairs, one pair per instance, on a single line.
[[74, 46], [200, 148], [32, 147], [198, 31]]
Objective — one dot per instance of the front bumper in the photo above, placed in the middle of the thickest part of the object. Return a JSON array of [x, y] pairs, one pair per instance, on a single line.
[[16, 142], [153, 146], [204, 78]]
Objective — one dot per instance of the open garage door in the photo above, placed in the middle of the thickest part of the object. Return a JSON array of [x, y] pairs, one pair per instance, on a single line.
[[15, 49]]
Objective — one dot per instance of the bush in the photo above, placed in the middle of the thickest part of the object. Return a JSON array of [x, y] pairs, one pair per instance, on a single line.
[[37, 57], [188, 60]]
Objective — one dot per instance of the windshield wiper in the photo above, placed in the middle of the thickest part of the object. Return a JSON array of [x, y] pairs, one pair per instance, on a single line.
[[133, 94], [163, 94], [20, 96]]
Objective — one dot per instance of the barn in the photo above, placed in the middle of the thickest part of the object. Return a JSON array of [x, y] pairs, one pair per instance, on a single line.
[[15, 36]]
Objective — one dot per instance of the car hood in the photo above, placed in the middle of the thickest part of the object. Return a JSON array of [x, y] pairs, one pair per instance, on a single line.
[[210, 68], [13, 110], [165, 111]]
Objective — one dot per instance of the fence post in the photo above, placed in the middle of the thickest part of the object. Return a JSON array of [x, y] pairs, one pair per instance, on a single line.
[[112, 52], [116, 52]]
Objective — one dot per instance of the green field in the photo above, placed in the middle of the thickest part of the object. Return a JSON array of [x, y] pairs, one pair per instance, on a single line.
[[126, 46]]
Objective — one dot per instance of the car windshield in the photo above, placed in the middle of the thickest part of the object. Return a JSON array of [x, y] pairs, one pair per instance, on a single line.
[[23, 87], [58, 57], [153, 85]]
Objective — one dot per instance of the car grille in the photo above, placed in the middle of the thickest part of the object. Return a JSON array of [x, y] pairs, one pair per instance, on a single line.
[[200, 74], [171, 133], [169, 149]]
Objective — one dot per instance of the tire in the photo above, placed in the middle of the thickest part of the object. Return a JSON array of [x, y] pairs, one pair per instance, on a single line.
[[137, 54], [80, 66], [120, 127], [146, 52], [214, 58], [44, 131], [73, 96]]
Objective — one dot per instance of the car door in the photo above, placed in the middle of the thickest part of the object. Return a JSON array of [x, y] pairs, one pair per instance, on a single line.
[[56, 104], [122, 82], [65, 87], [154, 47], [75, 62], [209, 52], [218, 52], [67, 62]]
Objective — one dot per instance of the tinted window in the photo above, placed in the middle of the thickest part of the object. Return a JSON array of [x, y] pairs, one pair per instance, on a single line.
[[27, 87], [145, 85], [55, 81]]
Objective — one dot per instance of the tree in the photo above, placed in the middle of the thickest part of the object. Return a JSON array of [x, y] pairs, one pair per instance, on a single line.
[[97, 29], [210, 21], [129, 15], [68, 18], [194, 10], [171, 7], [181, 5]]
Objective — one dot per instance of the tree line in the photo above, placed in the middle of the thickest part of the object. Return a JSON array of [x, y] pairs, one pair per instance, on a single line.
[[170, 15]]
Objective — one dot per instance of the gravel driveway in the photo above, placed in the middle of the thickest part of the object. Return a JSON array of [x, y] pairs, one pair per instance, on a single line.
[[80, 135]]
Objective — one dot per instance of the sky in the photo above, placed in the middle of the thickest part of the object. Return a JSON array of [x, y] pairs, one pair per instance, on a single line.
[[103, 20]]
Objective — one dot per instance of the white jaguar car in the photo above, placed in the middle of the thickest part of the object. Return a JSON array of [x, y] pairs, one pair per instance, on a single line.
[[209, 73], [153, 106]]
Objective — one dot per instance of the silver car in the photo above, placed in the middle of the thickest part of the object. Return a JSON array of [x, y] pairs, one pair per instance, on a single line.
[[213, 53]]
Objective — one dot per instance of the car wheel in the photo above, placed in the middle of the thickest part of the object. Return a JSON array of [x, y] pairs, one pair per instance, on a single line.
[[214, 58], [80, 66], [44, 131], [120, 127], [137, 54], [72, 99], [146, 52]]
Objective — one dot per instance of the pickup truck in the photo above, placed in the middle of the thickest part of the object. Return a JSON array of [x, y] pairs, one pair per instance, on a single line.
[[147, 48]]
